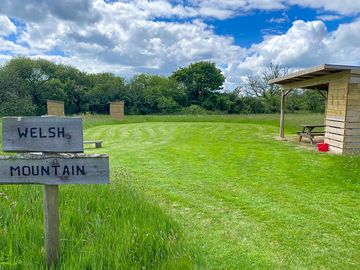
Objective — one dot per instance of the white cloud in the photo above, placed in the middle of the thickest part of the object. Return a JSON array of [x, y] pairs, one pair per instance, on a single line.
[[161, 8], [6, 26], [305, 44], [125, 38], [344, 43], [344, 7], [327, 18], [284, 18], [230, 8]]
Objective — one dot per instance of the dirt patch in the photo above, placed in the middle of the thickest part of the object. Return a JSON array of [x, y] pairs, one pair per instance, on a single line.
[[304, 144]]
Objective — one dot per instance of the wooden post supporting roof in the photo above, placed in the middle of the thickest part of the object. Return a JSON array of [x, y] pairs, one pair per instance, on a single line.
[[282, 112], [282, 120]]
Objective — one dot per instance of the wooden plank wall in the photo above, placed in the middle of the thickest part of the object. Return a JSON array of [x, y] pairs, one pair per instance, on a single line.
[[117, 109], [55, 107], [352, 125], [336, 112]]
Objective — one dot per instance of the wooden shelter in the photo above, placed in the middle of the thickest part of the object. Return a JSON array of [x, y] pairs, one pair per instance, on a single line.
[[55, 107], [340, 85], [117, 109]]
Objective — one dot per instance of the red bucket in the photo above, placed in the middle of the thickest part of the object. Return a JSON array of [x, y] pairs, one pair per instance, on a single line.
[[323, 147]]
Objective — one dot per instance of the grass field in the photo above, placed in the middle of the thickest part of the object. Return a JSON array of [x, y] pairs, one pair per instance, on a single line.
[[187, 192]]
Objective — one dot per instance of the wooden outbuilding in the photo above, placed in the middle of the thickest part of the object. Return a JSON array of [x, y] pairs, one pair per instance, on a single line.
[[55, 107], [117, 109], [340, 85]]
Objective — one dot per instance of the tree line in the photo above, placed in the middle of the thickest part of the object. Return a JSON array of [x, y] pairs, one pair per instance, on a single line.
[[26, 84]]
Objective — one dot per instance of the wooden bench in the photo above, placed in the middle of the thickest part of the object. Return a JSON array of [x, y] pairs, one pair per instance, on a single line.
[[307, 132], [97, 143]]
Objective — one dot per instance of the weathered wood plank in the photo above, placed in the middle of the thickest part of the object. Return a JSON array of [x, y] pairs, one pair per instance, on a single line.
[[335, 118], [353, 139], [42, 134], [53, 169], [341, 77], [352, 131], [354, 94], [353, 116], [352, 145], [335, 149], [354, 102], [334, 143], [337, 102], [339, 138], [353, 125], [354, 108], [339, 131], [51, 204], [338, 124], [333, 113], [51, 224]]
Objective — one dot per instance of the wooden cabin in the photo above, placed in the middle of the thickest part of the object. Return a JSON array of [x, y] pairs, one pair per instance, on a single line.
[[340, 85]]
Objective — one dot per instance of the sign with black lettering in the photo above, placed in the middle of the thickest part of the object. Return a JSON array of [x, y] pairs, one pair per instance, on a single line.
[[54, 169], [42, 134]]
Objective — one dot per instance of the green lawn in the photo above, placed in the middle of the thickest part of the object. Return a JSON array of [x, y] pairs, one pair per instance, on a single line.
[[230, 197]]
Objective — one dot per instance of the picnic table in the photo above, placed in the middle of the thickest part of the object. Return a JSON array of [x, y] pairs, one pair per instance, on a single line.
[[97, 143], [309, 132]]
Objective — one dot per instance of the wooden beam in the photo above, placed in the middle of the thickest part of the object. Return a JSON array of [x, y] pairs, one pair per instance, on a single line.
[[316, 81], [282, 114], [51, 224], [287, 92], [51, 204], [321, 93], [297, 74]]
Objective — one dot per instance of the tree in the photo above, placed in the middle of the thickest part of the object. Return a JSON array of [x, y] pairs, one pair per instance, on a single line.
[[258, 85], [200, 79], [312, 101], [154, 94], [15, 97], [105, 87], [76, 86]]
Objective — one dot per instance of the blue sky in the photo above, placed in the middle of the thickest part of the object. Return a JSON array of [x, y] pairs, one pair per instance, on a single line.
[[158, 36], [251, 28]]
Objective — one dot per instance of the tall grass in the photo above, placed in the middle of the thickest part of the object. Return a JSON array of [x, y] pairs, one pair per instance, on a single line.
[[102, 227]]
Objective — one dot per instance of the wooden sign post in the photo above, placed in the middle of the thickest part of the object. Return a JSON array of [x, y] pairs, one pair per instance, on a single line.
[[51, 203], [60, 143]]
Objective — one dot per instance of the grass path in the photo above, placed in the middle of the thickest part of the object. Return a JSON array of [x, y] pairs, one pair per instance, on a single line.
[[248, 201]]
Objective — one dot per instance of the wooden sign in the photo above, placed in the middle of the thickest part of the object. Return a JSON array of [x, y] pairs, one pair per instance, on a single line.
[[49, 134], [54, 169], [42, 134]]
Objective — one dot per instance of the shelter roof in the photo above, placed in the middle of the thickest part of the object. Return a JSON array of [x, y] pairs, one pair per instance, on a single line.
[[313, 72]]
